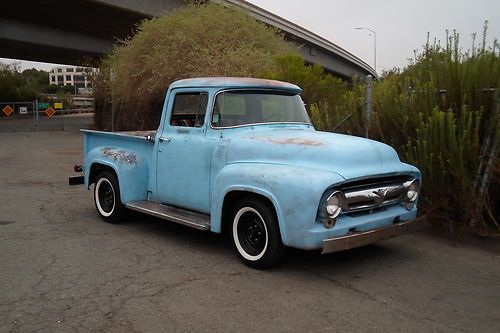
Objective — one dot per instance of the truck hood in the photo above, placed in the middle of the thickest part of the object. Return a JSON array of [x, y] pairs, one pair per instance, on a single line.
[[349, 156]]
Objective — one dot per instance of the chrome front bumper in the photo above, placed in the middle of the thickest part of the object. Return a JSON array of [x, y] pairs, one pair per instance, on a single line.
[[358, 239]]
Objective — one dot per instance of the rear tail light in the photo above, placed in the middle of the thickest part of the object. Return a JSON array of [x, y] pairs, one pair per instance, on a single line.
[[77, 168]]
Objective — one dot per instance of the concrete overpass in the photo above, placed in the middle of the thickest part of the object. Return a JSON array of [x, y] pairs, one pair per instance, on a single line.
[[81, 30]]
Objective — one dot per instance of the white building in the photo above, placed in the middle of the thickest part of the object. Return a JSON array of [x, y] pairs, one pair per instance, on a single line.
[[71, 76]]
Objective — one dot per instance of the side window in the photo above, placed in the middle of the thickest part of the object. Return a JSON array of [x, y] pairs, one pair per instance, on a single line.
[[189, 109]]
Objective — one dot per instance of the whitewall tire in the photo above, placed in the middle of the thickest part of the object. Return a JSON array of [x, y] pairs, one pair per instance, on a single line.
[[255, 234], [107, 197]]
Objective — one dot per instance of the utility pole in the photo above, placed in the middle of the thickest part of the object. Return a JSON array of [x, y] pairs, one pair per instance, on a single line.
[[374, 45], [368, 103]]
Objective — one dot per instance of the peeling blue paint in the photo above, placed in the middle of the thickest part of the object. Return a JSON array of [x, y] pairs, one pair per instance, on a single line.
[[119, 155]]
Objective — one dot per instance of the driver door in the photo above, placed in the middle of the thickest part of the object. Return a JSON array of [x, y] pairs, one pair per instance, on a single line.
[[184, 154]]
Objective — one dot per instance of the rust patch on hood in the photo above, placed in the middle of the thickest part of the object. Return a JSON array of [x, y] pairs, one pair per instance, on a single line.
[[289, 141], [119, 155]]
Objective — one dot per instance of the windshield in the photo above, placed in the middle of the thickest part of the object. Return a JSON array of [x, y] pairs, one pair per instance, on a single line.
[[236, 108]]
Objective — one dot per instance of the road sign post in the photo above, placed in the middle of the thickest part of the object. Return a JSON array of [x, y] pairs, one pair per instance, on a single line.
[[36, 115], [368, 104]]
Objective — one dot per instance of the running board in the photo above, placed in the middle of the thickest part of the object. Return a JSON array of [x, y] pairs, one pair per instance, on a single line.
[[177, 215]]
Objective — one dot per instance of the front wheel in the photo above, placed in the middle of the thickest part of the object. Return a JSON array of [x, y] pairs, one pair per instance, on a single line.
[[107, 197], [255, 234]]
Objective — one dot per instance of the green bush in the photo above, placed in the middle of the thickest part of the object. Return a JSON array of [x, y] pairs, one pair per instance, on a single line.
[[445, 150], [441, 113], [193, 41]]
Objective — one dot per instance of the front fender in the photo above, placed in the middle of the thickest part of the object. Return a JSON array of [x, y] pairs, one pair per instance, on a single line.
[[294, 191], [130, 167]]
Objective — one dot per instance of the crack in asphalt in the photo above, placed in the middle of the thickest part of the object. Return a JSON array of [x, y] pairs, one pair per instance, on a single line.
[[382, 302]]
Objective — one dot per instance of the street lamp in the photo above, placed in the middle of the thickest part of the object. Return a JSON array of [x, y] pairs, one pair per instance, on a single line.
[[374, 45]]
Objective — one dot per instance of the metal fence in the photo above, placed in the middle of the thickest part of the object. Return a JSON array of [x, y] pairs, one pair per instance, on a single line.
[[33, 116]]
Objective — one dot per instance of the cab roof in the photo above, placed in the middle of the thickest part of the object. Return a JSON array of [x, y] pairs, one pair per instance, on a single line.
[[235, 82]]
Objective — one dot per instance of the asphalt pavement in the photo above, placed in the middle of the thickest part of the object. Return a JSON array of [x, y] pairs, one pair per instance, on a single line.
[[62, 269]]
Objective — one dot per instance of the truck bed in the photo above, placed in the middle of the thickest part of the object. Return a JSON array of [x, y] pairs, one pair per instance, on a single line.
[[130, 153], [138, 134]]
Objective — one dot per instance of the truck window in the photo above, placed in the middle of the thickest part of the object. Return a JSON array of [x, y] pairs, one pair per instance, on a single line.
[[189, 109], [241, 107]]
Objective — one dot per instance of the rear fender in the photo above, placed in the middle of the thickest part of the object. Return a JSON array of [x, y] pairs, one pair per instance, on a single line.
[[130, 167]]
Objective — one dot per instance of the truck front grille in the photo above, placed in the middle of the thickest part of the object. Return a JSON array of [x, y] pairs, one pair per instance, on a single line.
[[373, 193]]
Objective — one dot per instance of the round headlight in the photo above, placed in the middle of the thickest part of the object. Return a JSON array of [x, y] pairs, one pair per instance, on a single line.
[[334, 204], [412, 191]]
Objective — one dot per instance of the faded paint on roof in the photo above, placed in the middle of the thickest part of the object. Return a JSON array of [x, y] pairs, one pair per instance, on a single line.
[[234, 82]]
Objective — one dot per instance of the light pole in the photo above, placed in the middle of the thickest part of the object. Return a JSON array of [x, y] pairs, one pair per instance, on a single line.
[[374, 45]]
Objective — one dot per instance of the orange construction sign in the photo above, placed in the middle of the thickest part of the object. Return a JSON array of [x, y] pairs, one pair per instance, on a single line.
[[50, 111], [7, 110]]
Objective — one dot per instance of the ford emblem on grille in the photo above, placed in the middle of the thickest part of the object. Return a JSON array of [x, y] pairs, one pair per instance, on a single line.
[[380, 195]]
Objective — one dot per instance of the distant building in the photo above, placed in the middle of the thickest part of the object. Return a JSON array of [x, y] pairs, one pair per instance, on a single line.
[[71, 76]]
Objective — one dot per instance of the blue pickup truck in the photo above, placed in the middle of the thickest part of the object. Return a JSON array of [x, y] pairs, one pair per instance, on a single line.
[[240, 156]]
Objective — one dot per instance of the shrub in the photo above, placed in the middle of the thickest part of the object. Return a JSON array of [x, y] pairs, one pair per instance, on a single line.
[[445, 150], [442, 114], [193, 41]]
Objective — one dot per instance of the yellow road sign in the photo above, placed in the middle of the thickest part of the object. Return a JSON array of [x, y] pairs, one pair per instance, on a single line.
[[7, 110], [58, 105], [50, 111]]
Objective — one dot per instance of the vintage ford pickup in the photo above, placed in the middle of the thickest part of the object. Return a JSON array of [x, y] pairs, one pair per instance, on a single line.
[[241, 156]]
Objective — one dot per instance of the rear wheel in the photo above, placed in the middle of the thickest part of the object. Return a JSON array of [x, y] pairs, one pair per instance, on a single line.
[[255, 234], [107, 197]]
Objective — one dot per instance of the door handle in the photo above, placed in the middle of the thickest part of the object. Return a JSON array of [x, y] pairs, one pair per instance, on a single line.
[[163, 139]]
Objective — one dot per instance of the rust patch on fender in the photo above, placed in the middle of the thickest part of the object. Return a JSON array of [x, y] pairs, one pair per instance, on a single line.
[[119, 155], [289, 141]]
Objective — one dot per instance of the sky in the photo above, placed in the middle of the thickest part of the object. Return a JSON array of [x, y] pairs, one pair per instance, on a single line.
[[401, 26]]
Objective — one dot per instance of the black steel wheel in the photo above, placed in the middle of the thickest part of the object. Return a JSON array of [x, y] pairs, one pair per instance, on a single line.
[[255, 234], [107, 197]]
